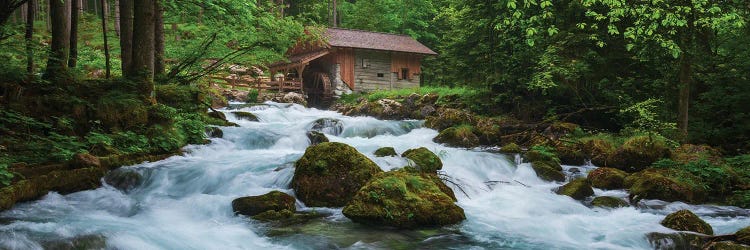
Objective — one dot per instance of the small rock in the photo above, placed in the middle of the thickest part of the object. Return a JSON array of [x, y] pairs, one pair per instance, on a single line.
[[385, 151], [295, 98], [273, 201], [429, 99], [241, 115], [511, 148], [424, 160], [607, 178], [427, 110], [214, 132], [577, 189], [685, 220], [548, 171], [124, 179], [609, 202], [316, 137]]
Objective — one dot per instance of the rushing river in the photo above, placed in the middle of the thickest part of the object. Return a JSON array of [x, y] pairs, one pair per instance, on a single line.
[[184, 201]]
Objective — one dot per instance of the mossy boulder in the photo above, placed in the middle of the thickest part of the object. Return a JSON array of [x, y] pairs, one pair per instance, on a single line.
[[570, 154], [511, 148], [609, 202], [448, 117], [685, 220], [488, 130], [330, 173], [687, 153], [460, 136], [273, 215], [247, 116], [424, 160], [560, 129], [663, 185], [597, 150], [403, 200], [548, 170], [607, 178], [385, 151], [272, 201], [316, 137], [638, 153], [577, 189], [743, 236], [217, 115]]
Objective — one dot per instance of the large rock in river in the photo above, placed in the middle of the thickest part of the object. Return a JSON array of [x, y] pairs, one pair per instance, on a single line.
[[662, 184], [684, 220], [273, 201], [459, 136], [330, 173], [577, 189], [607, 178], [403, 200], [639, 152], [548, 170], [424, 160]]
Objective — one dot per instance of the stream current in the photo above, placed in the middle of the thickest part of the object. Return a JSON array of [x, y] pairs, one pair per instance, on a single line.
[[184, 202]]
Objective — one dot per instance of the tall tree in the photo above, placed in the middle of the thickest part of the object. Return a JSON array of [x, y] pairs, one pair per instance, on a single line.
[[106, 41], [74, 17], [117, 17], [126, 35], [29, 36], [57, 64], [142, 68], [159, 38]]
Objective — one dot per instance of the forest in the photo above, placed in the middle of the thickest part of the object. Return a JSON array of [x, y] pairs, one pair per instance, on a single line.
[[651, 98]]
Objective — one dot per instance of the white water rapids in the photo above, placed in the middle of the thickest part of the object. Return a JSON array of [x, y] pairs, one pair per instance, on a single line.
[[185, 201]]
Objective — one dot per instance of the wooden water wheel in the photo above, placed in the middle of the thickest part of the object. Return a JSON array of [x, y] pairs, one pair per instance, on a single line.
[[320, 92]]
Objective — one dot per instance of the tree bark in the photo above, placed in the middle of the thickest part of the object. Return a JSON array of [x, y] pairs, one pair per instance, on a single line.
[[74, 16], [142, 68], [158, 39], [334, 14], [126, 35], [106, 41], [685, 76], [117, 17], [57, 64], [29, 36]]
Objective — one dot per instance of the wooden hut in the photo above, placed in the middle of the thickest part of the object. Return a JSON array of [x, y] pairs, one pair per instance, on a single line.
[[355, 60]]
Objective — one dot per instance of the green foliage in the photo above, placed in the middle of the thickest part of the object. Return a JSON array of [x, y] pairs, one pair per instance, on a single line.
[[5, 175], [546, 152], [645, 118]]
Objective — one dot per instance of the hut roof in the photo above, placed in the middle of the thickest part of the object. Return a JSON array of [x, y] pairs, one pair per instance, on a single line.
[[361, 39]]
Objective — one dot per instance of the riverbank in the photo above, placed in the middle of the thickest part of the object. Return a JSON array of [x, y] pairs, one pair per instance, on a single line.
[[654, 166]]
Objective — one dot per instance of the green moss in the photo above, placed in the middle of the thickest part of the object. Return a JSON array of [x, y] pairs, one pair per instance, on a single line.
[[447, 118], [273, 215], [241, 115], [541, 153], [607, 178], [666, 185], [725, 245], [639, 152], [597, 150], [385, 151], [272, 201], [577, 189], [424, 160], [404, 200], [548, 171], [186, 98], [511, 148], [609, 202], [743, 236], [330, 173], [458, 136], [685, 220]]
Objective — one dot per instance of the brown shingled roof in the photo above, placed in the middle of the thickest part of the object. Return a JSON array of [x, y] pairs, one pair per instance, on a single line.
[[373, 40]]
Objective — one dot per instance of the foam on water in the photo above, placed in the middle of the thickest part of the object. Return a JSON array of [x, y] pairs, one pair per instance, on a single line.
[[185, 201]]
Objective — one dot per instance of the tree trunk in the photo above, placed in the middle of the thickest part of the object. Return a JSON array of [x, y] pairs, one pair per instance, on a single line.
[[159, 39], [142, 68], [334, 14], [30, 11], [74, 16], [106, 41], [685, 78], [126, 35], [57, 64], [117, 17]]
